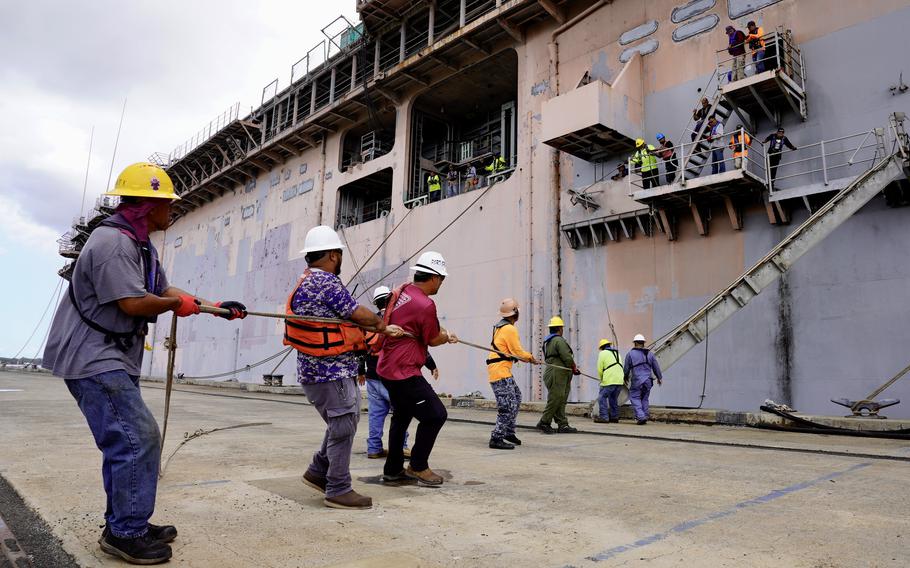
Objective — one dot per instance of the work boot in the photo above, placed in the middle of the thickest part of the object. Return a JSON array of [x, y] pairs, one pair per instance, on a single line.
[[499, 444], [161, 533], [376, 455], [317, 483], [641, 422], [400, 476], [142, 550], [349, 500], [566, 429], [407, 453], [599, 420], [614, 420], [512, 438], [545, 428], [426, 478]]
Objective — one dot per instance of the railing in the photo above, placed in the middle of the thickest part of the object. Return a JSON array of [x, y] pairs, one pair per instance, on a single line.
[[827, 160], [357, 214], [213, 127], [753, 161], [463, 183], [780, 52]]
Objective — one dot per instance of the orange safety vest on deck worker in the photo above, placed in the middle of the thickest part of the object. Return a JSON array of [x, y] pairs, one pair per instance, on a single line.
[[740, 150]]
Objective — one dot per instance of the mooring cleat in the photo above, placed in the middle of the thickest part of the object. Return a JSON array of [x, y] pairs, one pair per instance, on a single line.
[[866, 408]]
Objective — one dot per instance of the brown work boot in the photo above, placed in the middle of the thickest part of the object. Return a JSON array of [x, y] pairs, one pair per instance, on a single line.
[[317, 483], [349, 500], [407, 453], [377, 455], [426, 477]]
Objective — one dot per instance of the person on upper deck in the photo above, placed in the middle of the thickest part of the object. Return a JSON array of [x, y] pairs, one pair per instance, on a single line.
[[737, 48]]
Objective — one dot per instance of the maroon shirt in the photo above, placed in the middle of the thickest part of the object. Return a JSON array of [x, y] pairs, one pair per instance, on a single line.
[[402, 358]]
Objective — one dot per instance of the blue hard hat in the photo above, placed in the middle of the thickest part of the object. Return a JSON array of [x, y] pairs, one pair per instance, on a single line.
[[660, 136]]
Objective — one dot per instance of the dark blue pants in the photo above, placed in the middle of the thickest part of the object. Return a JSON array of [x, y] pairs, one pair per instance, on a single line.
[[717, 161], [608, 401], [127, 435]]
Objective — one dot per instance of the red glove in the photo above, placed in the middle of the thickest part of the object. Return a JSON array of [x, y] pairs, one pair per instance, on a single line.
[[238, 310], [575, 370], [189, 306]]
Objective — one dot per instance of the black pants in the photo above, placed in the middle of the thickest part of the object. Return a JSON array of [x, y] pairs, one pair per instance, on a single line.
[[671, 167], [650, 179], [413, 398], [773, 160]]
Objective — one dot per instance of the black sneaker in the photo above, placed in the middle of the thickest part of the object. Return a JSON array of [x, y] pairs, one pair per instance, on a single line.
[[545, 428], [162, 533], [566, 429], [513, 439], [614, 420], [599, 420], [641, 422], [499, 444], [142, 550]]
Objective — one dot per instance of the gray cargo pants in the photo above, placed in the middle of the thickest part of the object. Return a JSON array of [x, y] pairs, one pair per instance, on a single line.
[[338, 402]]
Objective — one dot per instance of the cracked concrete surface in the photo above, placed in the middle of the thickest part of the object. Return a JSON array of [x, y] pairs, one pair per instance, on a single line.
[[556, 501]]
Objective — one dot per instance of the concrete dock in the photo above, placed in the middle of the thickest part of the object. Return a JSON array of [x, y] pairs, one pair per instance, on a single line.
[[614, 495]]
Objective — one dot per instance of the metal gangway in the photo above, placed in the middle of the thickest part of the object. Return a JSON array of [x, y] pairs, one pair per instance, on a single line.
[[672, 346]]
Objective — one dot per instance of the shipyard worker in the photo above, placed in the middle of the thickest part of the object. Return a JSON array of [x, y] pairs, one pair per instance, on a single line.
[[609, 369], [739, 144], [699, 115], [96, 343], [400, 360], [638, 367], [646, 162], [377, 396], [497, 165], [507, 350], [737, 48], [451, 183], [471, 180], [434, 184], [557, 352], [667, 153], [776, 143], [327, 362], [621, 171], [756, 40], [716, 138]]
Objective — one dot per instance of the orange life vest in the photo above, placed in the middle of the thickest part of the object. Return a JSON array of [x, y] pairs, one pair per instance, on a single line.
[[321, 339]]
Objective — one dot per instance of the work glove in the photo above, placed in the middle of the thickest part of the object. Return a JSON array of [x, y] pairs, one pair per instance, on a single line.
[[238, 310], [189, 306], [575, 370]]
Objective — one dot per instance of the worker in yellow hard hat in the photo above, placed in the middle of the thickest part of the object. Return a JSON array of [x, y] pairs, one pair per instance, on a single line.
[[557, 352], [609, 369], [644, 161], [96, 344]]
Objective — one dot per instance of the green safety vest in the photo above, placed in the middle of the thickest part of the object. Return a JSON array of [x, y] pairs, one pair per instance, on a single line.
[[645, 158], [610, 367], [498, 165], [434, 183]]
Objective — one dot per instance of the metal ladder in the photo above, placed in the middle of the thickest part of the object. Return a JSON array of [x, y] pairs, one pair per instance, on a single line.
[[841, 207]]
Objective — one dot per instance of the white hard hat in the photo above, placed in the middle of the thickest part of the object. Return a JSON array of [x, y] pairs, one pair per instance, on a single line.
[[321, 238], [381, 292], [431, 262], [638, 338]]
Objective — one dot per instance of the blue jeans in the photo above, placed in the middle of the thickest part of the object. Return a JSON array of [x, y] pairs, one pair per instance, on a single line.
[[717, 161], [127, 435], [608, 401], [638, 396], [379, 407]]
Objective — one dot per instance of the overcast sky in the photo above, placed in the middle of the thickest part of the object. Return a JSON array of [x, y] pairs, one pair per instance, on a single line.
[[68, 66]]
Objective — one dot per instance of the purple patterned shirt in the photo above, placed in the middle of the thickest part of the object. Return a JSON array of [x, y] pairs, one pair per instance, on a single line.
[[323, 295]]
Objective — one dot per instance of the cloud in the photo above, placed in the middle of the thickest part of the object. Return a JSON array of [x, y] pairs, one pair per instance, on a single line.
[[19, 229]]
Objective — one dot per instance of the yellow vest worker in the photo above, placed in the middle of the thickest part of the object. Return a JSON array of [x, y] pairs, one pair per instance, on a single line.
[[610, 371]]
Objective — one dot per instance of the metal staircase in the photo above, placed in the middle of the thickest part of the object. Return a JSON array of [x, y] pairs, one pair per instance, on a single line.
[[822, 223], [701, 152]]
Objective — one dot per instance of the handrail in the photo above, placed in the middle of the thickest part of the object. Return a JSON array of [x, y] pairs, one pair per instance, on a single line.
[[686, 130], [791, 66]]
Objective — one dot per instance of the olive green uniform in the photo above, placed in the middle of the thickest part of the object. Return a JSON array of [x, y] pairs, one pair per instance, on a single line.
[[556, 351]]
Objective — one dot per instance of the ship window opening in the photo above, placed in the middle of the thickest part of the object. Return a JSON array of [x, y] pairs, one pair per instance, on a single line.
[[464, 130], [367, 141], [366, 199], [695, 27]]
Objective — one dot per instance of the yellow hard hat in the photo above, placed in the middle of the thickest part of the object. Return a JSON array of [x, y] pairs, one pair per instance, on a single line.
[[604, 342], [143, 179], [556, 321], [639, 142]]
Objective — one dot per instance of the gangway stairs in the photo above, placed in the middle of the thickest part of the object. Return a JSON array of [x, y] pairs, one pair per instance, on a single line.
[[822, 223], [700, 155]]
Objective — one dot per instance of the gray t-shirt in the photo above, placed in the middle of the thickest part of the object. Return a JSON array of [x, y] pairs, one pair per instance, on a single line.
[[109, 268]]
